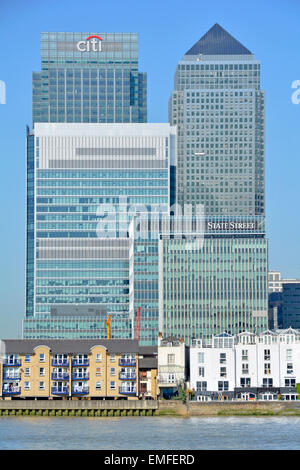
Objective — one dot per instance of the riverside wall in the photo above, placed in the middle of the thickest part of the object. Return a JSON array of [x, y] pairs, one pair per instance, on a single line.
[[146, 408]]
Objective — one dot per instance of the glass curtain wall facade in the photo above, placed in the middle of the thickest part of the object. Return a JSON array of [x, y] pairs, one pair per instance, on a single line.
[[218, 107], [213, 283], [89, 77], [89, 181]]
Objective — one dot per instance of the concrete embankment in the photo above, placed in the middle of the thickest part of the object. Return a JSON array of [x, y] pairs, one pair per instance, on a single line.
[[276, 408], [145, 408]]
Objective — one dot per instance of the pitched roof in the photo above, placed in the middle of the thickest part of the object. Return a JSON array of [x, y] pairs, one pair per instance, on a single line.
[[218, 42]]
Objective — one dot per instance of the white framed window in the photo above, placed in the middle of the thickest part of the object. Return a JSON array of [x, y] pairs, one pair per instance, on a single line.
[[112, 357], [112, 371], [27, 371], [98, 357], [26, 385], [42, 386], [245, 368], [289, 368], [289, 354], [27, 357], [267, 368], [98, 371], [42, 371], [201, 372], [98, 386], [201, 357], [42, 357], [171, 378], [222, 358], [171, 358], [112, 385], [267, 354], [245, 355], [223, 372]]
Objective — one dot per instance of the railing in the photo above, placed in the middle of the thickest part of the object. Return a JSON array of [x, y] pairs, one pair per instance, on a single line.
[[59, 390], [80, 362], [12, 391], [59, 376], [80, 391], [78, 376], [127, 362], [127, 391], [14, 363], [127, 376], [60, 362], [12, 377]]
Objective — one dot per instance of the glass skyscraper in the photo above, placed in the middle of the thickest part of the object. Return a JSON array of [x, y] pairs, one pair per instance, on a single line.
[[218, 108], [215, 280], [89, 77], [85, 183]]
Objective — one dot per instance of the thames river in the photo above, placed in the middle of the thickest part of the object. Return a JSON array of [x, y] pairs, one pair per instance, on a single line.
[[151, 433]]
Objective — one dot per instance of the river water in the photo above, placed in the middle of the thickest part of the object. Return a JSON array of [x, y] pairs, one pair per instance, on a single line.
[[153, 433]]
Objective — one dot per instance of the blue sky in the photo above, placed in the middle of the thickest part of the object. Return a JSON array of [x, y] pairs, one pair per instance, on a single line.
[[167, 29]]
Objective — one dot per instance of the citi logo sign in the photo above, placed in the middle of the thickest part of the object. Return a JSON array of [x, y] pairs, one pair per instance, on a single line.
[[91, 44]]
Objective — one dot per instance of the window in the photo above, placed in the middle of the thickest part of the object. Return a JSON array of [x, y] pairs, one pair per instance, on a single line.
[[201, 372], [27, 386], [42, 357], [289, 354], [201, 358], [223, 386], [42, 371], [245, 382], [98, 371], [267, 354], [290, 383], [245, 355], [171, 358], [289, 368], [222, 358], [171, 378], [98, 357], [113, 385], [27, 371], [223, 372], [267, 368], [201, 386], [42, 386], [112, 371], [267, 382], [98, 386], [245, 368], [27, 357], [113, 358]]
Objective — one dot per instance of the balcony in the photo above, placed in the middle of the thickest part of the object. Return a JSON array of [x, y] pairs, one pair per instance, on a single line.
[[78, 376], [11, 377], [80, 391], [60, 390], [80, 362], [14, 390], [127, 391], [60, 362], [124, 376], [60, 376], [11, 363], [127, 362]]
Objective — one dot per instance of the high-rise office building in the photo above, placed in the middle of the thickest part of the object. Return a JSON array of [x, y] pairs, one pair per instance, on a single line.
[[215, 279], [89, 77], [85, 183], [218, 107]]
